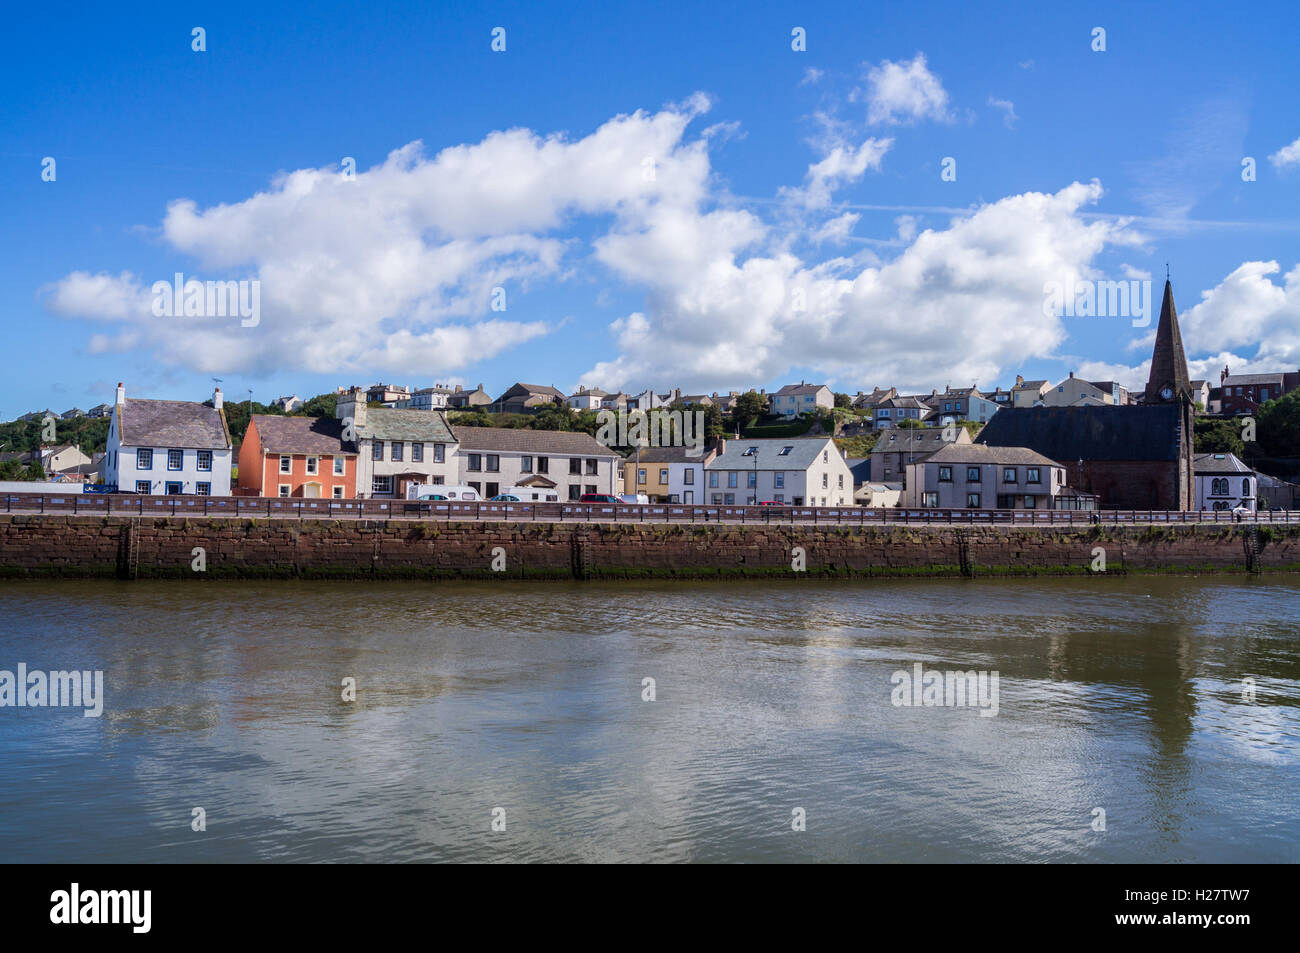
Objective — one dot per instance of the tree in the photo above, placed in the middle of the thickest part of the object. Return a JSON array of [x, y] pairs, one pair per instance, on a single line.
[[1219, 436], [909, 423], [1279, 426], [843, 400], [749, 405], [553, 417]]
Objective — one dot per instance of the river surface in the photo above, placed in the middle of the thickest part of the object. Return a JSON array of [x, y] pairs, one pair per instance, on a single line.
[[524, 705]]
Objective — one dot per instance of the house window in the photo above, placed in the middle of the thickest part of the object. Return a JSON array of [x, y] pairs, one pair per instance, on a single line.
[[1009, 475], [1032, 475], [688, 477], [778, 480], [142, 487], [543, 464], [1031, 502], [313, 466], [688, 496], [173, 488], [381, 485], [205, 460], [399, 449], [826, 456], [377, 453], [475, 462], [286, 463], [785, 451], [729, 499], [175, 459], [340, 466], [493, 463], [144, 459], [945, 474], [663, 475], [750, 451], [841, 481], [1219, 487], [575, 492], [338, 493], [417, 452], [973, 500], [930, 499], [439, 452], [575, 466], [640, 478], [713, 480], [751, 480], [733, 478], [973, 475], [593, 466], [1245, 487], [825, 480], [284, 489], [525, 464], [203, 489]]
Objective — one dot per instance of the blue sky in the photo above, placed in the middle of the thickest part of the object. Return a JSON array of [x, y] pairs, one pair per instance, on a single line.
[[667, 196]]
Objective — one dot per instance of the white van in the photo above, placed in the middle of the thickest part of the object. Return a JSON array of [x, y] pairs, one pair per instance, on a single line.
[[447, 491], [532, 494], [641, 498]]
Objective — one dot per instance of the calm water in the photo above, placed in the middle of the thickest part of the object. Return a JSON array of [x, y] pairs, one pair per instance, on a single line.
[[1124, 695]]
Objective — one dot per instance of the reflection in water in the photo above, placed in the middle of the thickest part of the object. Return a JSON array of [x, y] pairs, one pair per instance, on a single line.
[[770, 696]]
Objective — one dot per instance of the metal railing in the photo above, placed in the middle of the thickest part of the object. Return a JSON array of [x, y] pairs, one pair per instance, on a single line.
[[76, 504]]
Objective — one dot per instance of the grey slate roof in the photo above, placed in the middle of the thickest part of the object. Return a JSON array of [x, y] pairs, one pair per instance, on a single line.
[[322, 435], [791, 390], [1219, 463], [1105, 432], [518, 440], [389, 423], [1235, 380], [978, 453], [181, 424], [669, 455], [804, 452]]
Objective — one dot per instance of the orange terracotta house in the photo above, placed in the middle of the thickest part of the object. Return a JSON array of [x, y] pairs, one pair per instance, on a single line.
[[297, 456]]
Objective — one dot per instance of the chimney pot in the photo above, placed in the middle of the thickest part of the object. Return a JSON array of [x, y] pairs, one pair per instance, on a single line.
[[121, 394]]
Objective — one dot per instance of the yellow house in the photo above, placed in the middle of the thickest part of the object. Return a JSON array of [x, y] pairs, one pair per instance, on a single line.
[[649, 475]]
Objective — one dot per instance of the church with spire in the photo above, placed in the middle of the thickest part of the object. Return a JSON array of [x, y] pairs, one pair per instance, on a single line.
[[1132, 456]]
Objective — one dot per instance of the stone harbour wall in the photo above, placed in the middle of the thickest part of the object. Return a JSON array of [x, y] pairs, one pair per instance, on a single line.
[[150, 547]]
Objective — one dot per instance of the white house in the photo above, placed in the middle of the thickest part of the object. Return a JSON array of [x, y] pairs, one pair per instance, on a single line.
[[491, 459], [168, 446], [396, 447], [430, 398], [807, 471], [584, 399], [1223, 482]]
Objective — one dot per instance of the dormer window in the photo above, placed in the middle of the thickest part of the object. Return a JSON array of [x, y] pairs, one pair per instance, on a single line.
[[785, 451]]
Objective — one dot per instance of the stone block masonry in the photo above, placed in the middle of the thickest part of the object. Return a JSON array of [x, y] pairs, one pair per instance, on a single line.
[[149, 547]]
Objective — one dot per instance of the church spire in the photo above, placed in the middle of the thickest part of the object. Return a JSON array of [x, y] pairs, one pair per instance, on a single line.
[[1169, 376]]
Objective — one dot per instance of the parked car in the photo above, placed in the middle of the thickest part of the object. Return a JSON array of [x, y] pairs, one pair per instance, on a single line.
[[448, 491], [599, 498], [432, 496], [505, 498], [771, 503], [636, 498]]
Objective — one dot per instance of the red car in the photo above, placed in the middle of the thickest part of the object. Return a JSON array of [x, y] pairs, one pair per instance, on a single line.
[[598, 498], [771, 503]]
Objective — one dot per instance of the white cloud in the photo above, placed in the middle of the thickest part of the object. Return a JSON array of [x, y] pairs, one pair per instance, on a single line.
[[1287, 156], [841, 166], [966, 299], [407, 252], [905, 92], [1008, 108]]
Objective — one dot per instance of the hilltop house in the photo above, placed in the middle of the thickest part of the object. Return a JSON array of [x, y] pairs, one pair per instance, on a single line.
[[964, 403], [492, 458], [297, 457], [802, 398], [526, 398], [461, 399], [396, 447], [1246, 393], [808, 471], [168, 446]]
